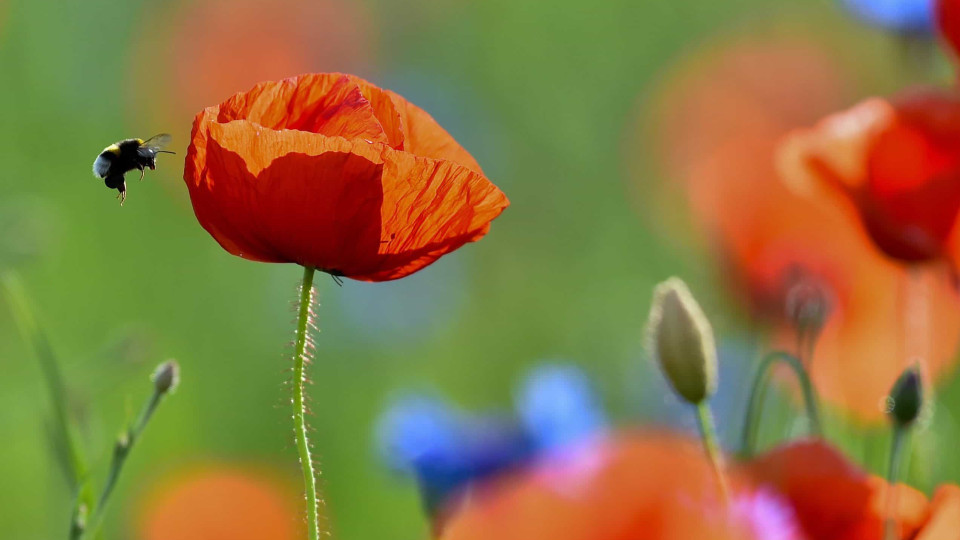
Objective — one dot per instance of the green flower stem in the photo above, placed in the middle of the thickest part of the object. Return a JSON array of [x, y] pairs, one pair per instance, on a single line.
[[299, 412], [708, 434], [758, 390], [893, 476], [121, 451]]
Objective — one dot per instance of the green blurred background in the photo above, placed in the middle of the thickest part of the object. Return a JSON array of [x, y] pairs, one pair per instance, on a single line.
[[548, 96]]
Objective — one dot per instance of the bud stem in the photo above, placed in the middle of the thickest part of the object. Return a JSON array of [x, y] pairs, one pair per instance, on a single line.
[[121, 451], [751, 424], [708, 434], [893, 476], [299, 412]]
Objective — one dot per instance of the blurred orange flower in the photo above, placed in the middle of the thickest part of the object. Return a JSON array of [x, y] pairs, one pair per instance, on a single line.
[[832, 498], [659, 486], [333, 172], [220, 504], [897, 162], [207, 49], [773, 241], [650, 486]]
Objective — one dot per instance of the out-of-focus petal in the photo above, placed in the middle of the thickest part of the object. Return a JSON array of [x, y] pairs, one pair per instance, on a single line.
[[220, 504], [944, 522], [832, 499], [722, 118], [948, 20], [653, 486], [898, 164]]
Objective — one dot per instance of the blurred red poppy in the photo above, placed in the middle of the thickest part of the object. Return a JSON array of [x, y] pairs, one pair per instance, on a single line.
[[897, 162], [944, 521], [207, 49], [832, 498], [651, 486], [948, 19], [659, 486], [220, 504], [773, 241], [330, 171]]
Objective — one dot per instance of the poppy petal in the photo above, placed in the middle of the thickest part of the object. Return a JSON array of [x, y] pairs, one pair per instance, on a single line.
[[329, 171], [944, 522], [426, 138], [832, 498], [346, 207]]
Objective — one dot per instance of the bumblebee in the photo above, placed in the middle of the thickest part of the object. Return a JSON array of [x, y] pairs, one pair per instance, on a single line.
[[127, 155]]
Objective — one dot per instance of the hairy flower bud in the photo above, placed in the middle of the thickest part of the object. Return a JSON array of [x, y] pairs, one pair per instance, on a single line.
[[166, 377], [906, 397], [681, 340]]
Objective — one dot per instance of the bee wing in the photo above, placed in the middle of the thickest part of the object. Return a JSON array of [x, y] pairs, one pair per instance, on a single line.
[[154, 144]]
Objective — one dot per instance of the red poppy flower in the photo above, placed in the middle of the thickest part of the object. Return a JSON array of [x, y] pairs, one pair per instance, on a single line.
[[221, 504], [330, 171], [944, 520], [651, 486], [948, 19], [658, 486], [832, 498], [212, 48], [772, 240], [897, 162]]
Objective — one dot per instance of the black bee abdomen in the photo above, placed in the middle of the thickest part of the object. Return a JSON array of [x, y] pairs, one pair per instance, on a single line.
[[114, 181]]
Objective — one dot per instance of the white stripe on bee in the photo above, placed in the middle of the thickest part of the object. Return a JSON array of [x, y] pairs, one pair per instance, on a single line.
[[101, 167]]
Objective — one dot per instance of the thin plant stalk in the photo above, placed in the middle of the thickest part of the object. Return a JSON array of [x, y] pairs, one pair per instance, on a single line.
[[758, 389], [74, 463], [121, 452], [708, 434], [32, 332], [300, 357], [893, 476]]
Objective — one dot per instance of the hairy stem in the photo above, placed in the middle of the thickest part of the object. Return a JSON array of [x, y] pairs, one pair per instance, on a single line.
[[751, 424], [709, 435], [299, 412]]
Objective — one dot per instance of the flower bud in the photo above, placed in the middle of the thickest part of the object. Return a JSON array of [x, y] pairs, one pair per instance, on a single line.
[[681, 340], [906, 397], [807, 307], [166, 377]]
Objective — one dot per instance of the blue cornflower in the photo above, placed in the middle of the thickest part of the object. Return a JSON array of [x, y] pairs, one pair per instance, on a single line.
[[559, 408], [908, 16], [447, 450]]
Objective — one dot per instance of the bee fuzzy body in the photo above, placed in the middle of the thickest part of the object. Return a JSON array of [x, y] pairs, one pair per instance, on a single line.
[[124, 156]]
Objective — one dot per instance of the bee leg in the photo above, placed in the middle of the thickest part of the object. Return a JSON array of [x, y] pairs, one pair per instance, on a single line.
[[141, 174], [123, 192]]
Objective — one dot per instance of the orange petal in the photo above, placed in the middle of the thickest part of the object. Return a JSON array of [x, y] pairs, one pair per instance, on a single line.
[[425, 137], [651, 486], [221, 505], [833, 499], [944, 522], [833, 154], [353, 208]]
